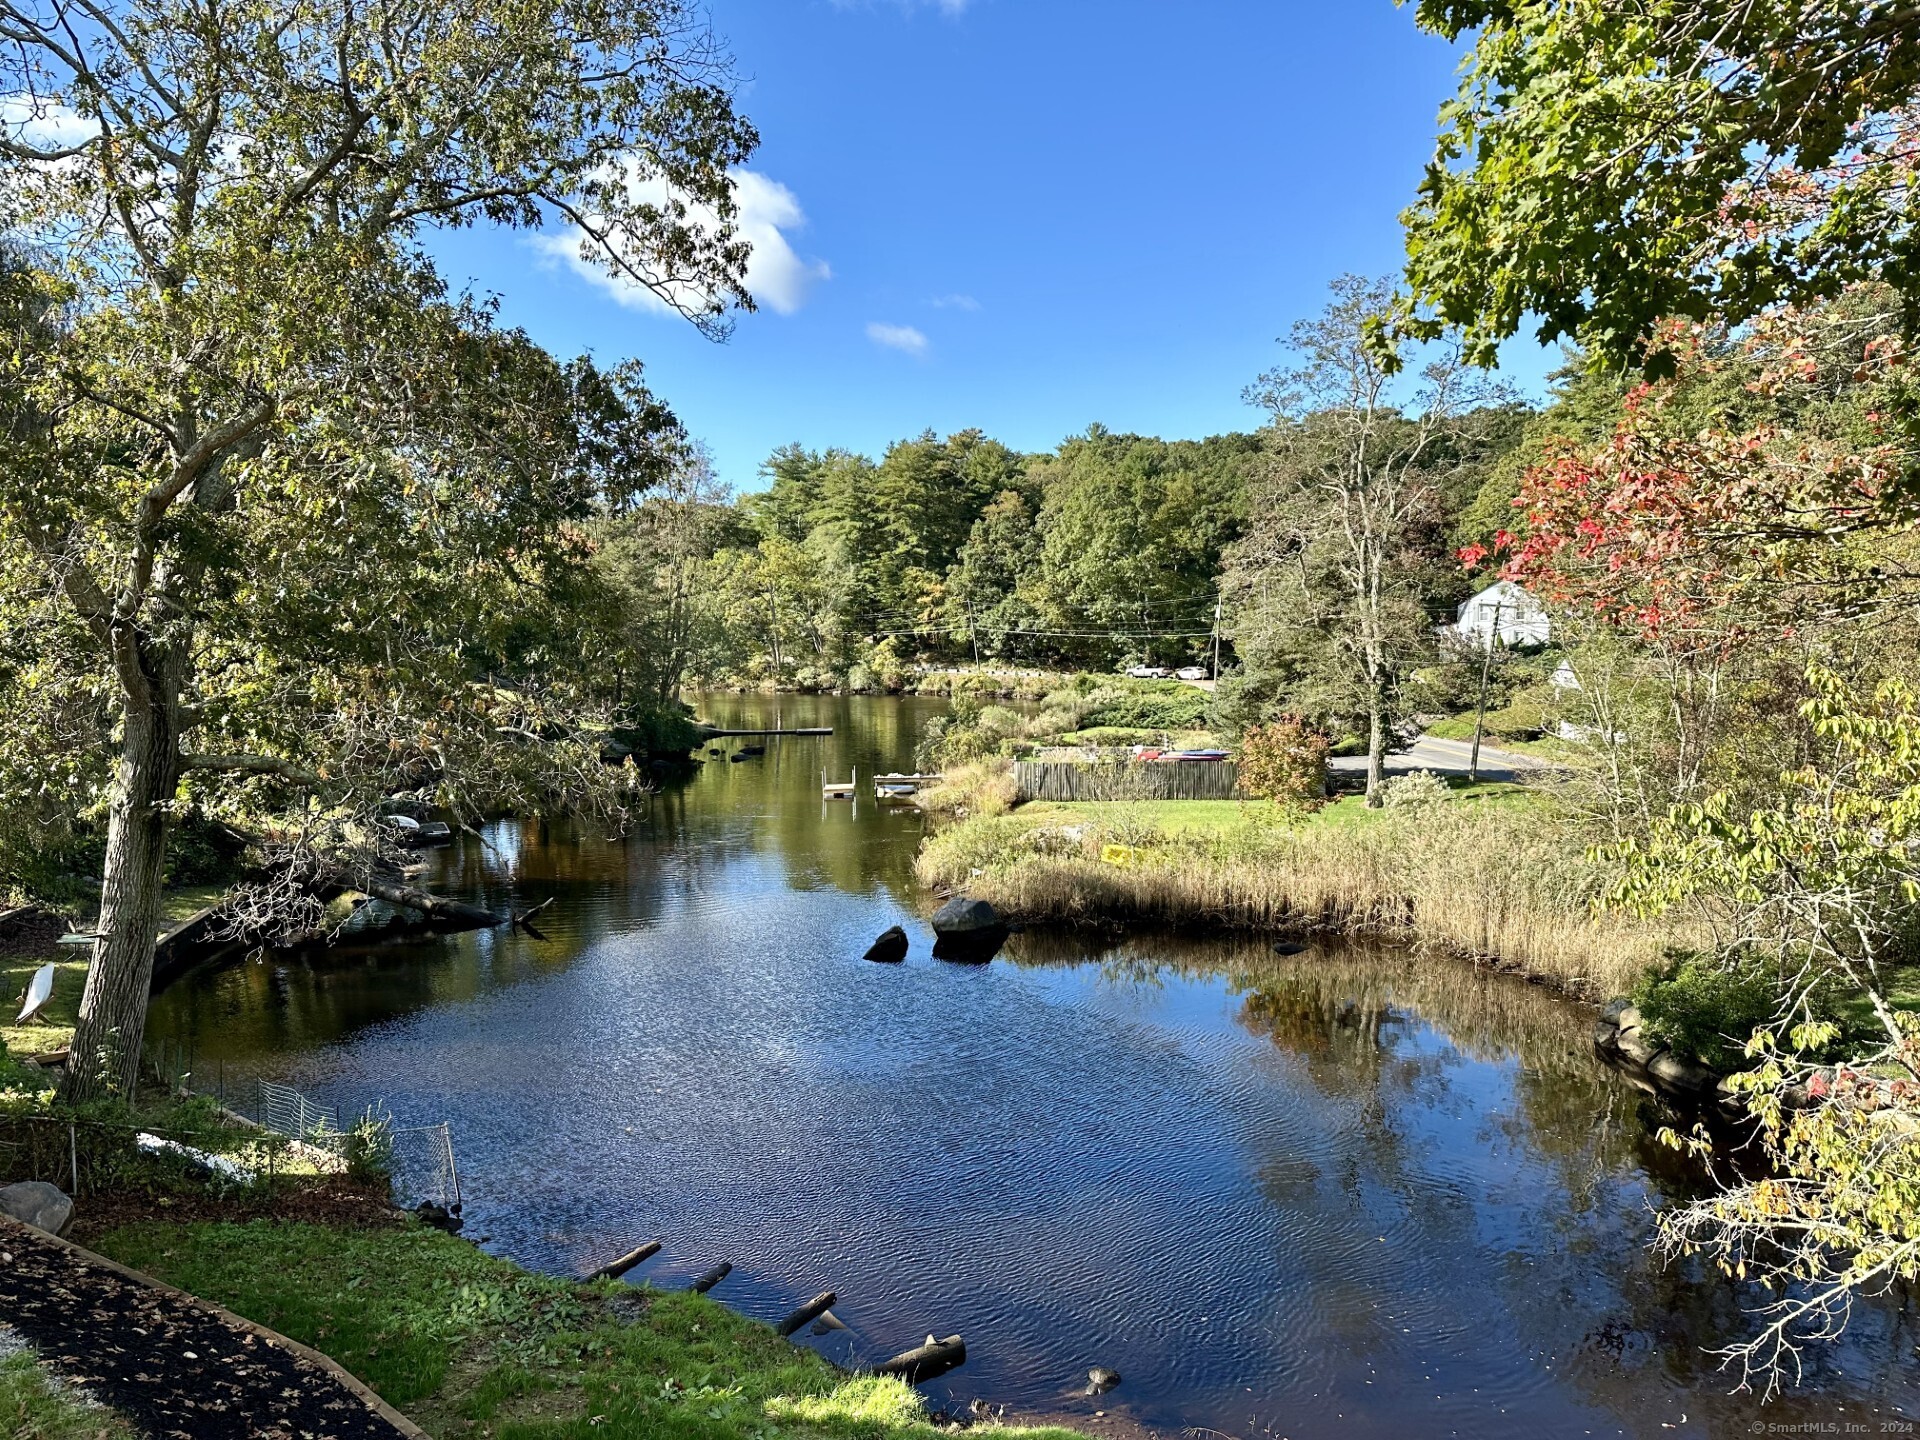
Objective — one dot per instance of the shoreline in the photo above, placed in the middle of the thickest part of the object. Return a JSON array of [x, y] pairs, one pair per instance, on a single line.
[[1433, 879]]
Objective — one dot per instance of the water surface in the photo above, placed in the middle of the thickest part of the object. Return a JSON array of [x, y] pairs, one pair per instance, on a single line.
[[1351, 1193]]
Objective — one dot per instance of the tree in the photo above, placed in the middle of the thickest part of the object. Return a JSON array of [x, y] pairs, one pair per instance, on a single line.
[[1133, 529], [288, 487], [1607, 167], [658, 559], [985, 611], [1821, 886], [1731, 526], [1347, 522]]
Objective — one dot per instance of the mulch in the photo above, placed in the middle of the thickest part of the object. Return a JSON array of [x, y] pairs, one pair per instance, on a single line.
[[175, 1366], [31, 933], [338, 1204]]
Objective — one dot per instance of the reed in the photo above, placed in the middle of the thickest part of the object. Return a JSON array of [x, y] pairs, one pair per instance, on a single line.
[[1508, 884], [979, 787]]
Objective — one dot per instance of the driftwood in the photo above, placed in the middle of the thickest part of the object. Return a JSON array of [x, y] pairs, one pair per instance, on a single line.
[[812, 1310], [613, 1270], [712, 1278], [925, 1362], [523, 919]]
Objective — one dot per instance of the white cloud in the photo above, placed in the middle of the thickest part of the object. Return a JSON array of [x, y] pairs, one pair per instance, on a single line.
[[955, 302], [777, 276], [904, 338], [44, 124]]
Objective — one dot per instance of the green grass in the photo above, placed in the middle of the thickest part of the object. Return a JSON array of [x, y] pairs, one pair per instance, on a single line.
[[54, 1025], [1217, 817], [1901, 989], [469, 1345], [35, 1405]]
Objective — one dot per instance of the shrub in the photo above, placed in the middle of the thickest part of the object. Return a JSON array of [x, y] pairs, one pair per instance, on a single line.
[[1285, 762], [1185, 710], [1421, 790], [1699, 1008], [980, 787], [367, 1149]]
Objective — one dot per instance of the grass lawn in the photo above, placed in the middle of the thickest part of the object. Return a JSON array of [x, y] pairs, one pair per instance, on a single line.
[[36, 1405], [1902, 992], [54, 1025], [466, 1344], [1212, 817]]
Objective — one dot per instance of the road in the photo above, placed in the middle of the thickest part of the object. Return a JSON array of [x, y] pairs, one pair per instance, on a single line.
[[1448, 757]]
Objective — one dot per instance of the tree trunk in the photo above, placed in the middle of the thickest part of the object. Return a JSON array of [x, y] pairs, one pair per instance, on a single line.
[[1376, 749], [105, 1059]]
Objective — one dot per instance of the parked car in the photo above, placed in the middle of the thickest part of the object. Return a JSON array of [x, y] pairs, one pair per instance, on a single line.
[[1191, 672], [1149, 672]]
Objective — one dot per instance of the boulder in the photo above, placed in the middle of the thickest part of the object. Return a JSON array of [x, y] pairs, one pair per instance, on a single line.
[[961, 916], [36, 1203], [1616, 1008], [1606, 1034], [1634, 1045], [1685, 1076], [1627, 1017], [890, 948]]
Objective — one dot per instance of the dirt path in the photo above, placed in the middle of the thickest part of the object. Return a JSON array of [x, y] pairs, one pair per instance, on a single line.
[[174, 1365]]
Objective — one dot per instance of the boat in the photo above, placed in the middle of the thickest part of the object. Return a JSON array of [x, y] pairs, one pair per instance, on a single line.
[[418, 834], [39, 991]]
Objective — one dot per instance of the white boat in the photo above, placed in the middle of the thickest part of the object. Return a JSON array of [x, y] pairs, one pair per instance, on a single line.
[[39, 991]]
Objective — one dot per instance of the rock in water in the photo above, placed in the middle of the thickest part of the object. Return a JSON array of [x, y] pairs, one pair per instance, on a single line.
[[439, 1217], [43, 1206], [1100, 1380], [1289, 947], [961, 916], [890, 948]]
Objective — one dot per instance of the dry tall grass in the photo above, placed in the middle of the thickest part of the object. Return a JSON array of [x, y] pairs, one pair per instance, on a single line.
[[980, 787], [1508, 884]]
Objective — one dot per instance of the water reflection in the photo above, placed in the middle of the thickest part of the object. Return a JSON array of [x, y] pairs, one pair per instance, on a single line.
[[1347, 1193]]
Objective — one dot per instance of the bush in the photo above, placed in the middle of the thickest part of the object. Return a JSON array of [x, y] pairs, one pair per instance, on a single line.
[[1699, 1008], [1285, 762], [1421, 790], [1185, 710], [367, 1149]]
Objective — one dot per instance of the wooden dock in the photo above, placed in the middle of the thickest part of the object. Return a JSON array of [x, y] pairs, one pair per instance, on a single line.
[[715, 732]]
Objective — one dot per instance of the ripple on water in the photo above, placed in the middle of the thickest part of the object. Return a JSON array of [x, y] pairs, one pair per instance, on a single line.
[[1344, 1193]]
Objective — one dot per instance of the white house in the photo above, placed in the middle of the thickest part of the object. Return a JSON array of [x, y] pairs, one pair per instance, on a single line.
[[1504, 611]]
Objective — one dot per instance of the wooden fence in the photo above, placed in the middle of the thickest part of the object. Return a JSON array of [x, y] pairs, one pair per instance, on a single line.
[[1139, 780]]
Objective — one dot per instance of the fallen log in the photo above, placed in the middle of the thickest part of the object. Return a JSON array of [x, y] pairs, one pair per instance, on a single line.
[[712, 1278], [926, 1362], [456, 914], [812, 1310], [614, 1269]]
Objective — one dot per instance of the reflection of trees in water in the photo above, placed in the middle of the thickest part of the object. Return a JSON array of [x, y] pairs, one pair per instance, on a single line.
[[774, 802], [1580, 1281]]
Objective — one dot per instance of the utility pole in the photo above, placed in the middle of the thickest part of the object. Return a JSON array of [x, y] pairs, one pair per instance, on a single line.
[[1217, 598], [1480, 713]]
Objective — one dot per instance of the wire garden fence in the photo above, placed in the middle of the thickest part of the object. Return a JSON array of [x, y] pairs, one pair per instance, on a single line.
[[88, 1156]]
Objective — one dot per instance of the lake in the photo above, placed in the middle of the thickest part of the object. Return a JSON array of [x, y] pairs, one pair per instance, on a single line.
[[1350, 1193]]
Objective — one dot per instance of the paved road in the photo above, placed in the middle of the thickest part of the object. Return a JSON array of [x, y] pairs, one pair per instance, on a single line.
[[1449, 757]]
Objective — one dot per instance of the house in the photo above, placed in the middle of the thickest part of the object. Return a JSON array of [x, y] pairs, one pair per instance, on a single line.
[[1504, 611]]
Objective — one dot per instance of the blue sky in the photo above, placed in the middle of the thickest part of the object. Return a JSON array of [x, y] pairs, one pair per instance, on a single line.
[[1024, 215]]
